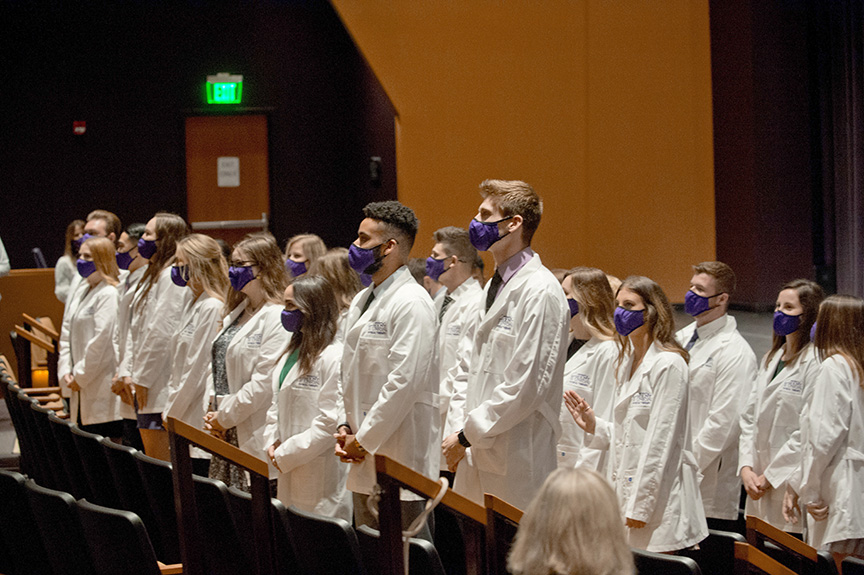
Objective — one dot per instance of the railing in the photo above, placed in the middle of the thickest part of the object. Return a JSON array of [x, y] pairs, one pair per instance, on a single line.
[[181, 436], [233, 224]]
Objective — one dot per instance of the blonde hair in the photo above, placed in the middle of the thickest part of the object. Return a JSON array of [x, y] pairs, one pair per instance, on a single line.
[[334, 267], [206, 264], [105, 257], [614, 282], [573, 526], [313, 247], [596, 300], [840, 330], [261, 248], [515, 198]]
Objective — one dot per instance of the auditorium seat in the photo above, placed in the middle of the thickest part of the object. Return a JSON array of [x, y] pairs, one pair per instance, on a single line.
[[423, 558], [648, 563], [61, 430], [56, 517], [324, 545], [20, 536], [225, 549], [159, 486], [96, 468]]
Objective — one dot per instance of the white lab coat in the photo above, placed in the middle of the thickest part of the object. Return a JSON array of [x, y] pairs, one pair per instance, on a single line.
[[64, 361], [722, 371], [303, 416], [833, 455], [192, 360], [249, 362], [456, 331], [153, 323], [515, 386], [591, 374], [64, 270], [90, 331], [122, 340], [770, 431], [652, 468], [390, 379]]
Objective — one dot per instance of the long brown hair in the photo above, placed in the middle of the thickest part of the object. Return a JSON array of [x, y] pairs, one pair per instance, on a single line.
[[261, 249], [70, 234], [658, 317], [207, 266], [169, 229], [314, 296], [596, 300], [810, 295], [334, 267], [104, 256], [840, 330]]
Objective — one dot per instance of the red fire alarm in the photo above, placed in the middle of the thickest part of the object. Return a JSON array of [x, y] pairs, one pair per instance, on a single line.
[[79, 127]]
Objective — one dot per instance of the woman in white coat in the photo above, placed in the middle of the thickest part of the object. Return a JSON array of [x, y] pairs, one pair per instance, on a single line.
[[200, 267], [156, 310], [307, 404], [245, 352], [90, 331], [652, 468], [301, 251], [833, 451], [770, 444], [591, 360]]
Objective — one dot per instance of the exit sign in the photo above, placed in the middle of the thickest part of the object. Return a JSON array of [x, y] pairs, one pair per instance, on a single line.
[[224, 88]]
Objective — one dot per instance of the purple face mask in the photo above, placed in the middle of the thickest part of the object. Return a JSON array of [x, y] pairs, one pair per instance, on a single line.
[[574, 307], [366, 280], [76, 244], [484, 234], [292, 320], [297, 269], [146, 248], [361, 259], [627, 320], [85, 268], [180, 275], [434, 268], [240, 276], [813, 332], [785, 324], [124, 259], [695, 304]]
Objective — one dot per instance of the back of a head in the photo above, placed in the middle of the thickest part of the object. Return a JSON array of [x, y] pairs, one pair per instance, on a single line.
[[516, 198], [572, 526], [334, 266], [595, 298], [417, 267], [399, 220], [840, 330]]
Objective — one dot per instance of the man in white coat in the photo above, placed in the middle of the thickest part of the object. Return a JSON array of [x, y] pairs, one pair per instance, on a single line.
[[452, 265], [389, 375], [722, 373], [516, 370]]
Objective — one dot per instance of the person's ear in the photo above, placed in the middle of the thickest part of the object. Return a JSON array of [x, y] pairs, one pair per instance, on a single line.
[[514, 223], [454, 260], [723, 298]]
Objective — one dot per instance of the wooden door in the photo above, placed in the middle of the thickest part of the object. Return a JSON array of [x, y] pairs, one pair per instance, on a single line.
[[227, 175]]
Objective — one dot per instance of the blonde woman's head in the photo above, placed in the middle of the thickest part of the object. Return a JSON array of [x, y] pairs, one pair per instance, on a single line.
[[573, 526], [208, 271]]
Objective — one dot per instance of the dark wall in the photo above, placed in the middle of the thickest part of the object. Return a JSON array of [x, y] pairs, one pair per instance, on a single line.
[[766, 164], [134, 71]]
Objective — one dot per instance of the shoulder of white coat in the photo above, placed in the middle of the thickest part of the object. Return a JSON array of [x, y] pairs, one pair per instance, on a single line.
[[669, 361], [837, 366], [412, 296], [332, 354], [734, 344]]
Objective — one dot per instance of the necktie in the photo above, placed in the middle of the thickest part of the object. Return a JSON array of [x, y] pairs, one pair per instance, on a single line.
[[692, 340], [447, 301], [494, 285], [575, 346], [368, 302]]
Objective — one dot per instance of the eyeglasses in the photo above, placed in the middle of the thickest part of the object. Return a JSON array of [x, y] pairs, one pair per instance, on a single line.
[[243, 264]]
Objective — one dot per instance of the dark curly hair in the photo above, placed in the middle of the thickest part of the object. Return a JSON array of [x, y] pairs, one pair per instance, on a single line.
[[399, 220]]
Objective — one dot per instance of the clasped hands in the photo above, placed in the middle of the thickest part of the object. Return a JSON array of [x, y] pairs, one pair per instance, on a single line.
[[347, 448]]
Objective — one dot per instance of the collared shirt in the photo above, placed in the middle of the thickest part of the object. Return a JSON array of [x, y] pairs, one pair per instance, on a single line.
[[512, 265]]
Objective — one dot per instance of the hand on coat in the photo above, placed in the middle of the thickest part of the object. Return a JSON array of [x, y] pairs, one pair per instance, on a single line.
[[581, 412], [453, 451], [818, 510], [347, 449], [791, 511], [755, 485], [211, 424], [271, 453]]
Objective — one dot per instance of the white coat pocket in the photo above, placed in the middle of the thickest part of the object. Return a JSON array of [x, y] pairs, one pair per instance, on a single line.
[[498, 352], [373, 355], [307, 483]]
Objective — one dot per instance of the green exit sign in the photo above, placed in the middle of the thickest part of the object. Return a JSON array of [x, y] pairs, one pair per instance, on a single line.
[[224, 88]]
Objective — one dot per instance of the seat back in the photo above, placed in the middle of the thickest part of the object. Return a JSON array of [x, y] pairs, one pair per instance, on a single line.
[[853, 566], [786, 549], [423, 558], [41, 468], [57, 520], [21, 538], [158, 484], [117, 541], [716, 553], [283, 543], [241, 509], [324, 545], [23, 358], [10, 396], [61, 430], [648, 563], [96, 468], [502, 523], [226, 549], [53, 458]]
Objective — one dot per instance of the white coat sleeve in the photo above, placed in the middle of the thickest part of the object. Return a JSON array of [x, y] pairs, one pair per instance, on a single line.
[[257, 392], [720, 428], [457, 377], [154, 348], [829, 420], [99, 356], [786, 465], [527, 375], [192, 381], [669, 391], [317, 439], [410, 360], [747, 439], [62, 278], [64, 359], [271, 423]]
